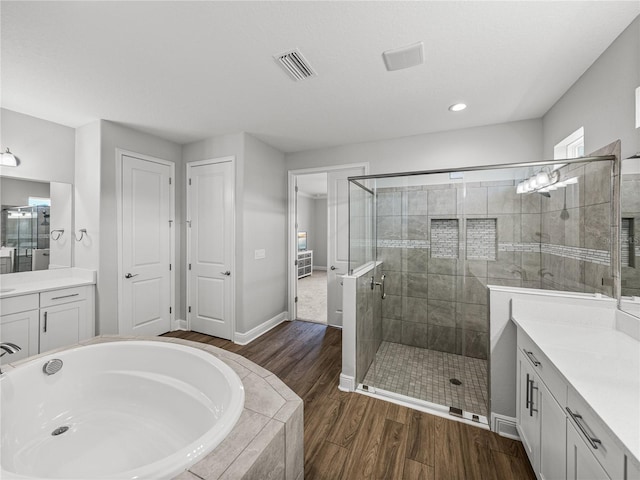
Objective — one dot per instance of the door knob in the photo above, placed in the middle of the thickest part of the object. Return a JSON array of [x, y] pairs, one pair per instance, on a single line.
[[129, 275], [332, 267], [227, 273]]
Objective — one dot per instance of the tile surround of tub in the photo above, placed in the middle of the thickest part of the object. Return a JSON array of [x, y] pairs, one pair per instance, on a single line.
[[268, 436]]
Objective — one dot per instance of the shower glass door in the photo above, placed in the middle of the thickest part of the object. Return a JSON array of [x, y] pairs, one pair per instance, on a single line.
[[369, 282]]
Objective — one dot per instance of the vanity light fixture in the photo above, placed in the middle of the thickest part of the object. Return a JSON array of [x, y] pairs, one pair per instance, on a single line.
[[544, 182], [457, 107], [8, 159]]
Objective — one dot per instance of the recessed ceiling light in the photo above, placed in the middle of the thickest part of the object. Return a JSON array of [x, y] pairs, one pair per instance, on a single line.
[[457, 107]]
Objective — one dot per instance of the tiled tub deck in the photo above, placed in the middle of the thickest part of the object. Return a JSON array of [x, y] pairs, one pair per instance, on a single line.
[[267, 440]]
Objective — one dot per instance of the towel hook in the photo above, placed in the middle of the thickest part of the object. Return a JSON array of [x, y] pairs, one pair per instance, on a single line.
[[82, 232], [56, 234]]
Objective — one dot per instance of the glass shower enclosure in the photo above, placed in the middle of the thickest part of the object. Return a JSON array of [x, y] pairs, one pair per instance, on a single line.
[[425, 246]]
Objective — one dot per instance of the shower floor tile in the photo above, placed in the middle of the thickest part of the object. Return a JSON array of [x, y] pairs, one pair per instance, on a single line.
[[425, 374]]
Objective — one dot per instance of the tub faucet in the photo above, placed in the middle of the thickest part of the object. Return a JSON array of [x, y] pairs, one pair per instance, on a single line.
[[8, 348]]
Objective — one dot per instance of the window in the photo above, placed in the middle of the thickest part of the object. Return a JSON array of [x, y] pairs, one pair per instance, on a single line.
[[39, 202], [570, 147]]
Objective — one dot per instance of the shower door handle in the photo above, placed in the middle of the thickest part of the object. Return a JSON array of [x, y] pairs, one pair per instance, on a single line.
[[380, 284]]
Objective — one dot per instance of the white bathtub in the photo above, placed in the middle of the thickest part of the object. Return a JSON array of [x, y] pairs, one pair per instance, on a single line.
[[135, 409]]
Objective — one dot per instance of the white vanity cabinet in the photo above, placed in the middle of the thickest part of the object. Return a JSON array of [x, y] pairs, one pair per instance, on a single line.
[[581, 464], [19, 324], [39, 322], [63, 317], [541, 419], [563, 437]]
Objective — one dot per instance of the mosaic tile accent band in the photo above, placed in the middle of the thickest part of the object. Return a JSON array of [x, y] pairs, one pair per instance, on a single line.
[[601, 257], [403, 244]]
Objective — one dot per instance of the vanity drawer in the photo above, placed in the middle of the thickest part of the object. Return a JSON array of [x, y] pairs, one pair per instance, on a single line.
[[18, 304], [545, 369], [608, 453], [64, 295]]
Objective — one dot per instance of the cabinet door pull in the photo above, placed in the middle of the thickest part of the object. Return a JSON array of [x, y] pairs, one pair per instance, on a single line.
[[44, 330], [65, 296], [532, 358], [530, 389], [593, 441], [531, 409]]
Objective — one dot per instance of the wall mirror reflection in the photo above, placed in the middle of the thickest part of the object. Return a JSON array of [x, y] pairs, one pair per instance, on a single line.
[[630, 236], [35, 225]]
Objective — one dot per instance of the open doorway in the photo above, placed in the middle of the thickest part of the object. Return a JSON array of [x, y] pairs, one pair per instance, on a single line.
[[332, 256], [311, 219]]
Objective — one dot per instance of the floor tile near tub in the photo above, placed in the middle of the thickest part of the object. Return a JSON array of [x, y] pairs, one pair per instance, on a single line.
[[425, 374]]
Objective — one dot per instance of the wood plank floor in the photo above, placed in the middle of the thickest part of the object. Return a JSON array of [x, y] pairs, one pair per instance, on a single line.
[[352, 436]]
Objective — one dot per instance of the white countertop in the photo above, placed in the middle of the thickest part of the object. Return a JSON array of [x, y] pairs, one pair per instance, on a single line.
[[601, 363], [24, 283]]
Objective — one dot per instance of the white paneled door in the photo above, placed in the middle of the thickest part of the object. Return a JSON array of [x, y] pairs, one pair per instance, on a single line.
[[146, 247], [338, 245], [210, 197]]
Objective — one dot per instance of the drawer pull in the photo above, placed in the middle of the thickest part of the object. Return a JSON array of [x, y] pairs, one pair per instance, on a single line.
[[65, 296], [532, 358], [576, 418]]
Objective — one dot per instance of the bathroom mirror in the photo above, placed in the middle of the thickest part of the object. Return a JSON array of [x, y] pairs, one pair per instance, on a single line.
[[35, 225], [630, 236]]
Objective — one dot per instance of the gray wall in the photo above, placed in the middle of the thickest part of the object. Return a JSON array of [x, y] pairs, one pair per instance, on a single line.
[[493, 144], [312, 218], [261, 206], [602, 100], [307, 219], [320, 233], [114, 136], [95, 190], [16, 192], [264, 282], [46, 150]]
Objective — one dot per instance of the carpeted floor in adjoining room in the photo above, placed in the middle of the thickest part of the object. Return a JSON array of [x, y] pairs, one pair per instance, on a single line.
[[312, 297]]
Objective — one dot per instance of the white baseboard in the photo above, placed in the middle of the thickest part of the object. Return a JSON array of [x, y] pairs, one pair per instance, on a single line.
[[347, 383], [322, 269], [251, 335], [504, 426], [179, 324]]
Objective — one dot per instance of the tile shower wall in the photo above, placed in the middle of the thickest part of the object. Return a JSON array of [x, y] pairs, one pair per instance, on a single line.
[[630, 201], [576, 235], [441, 303], [504, 238], [368, 324]]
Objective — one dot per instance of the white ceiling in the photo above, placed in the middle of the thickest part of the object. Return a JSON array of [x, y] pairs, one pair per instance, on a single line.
[[190, 70]]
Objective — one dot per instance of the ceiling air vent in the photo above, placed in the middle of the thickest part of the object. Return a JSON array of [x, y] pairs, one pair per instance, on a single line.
[[295, 65]]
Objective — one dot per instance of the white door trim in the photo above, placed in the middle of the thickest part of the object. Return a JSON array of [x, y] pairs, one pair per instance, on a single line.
[[292, 273], [119, 231], [235, 275]]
